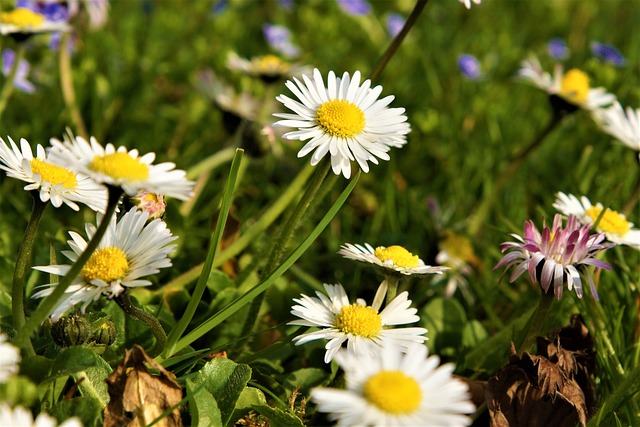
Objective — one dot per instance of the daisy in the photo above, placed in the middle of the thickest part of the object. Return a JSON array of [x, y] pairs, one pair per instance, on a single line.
[[614, 225], [456, 252], [54, 183], [467, 3], [346, 120], [624, 125], [23, 22], [555, 255], [362, 327], [9, 360], [390, 388], [151, 203], [394, 259], [129, 250], [120, 167], [269, 68], [568, 91], [21, 417]]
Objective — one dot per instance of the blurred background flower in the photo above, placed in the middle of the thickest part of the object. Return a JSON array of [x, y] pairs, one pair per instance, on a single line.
[[469, 66], [607, 53]]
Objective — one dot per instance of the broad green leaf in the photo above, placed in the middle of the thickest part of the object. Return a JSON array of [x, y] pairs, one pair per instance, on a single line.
[[473, 334], [225, 380], [94, 381], [72, 360], [249, 397], [306, 379], [218, 281], [278, 417], [202, 405], [444, 318], [36, 367], [88, 409]]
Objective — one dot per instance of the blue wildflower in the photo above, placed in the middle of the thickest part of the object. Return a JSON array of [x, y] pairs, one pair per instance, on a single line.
[[558, 48], [469, 66], [20, 80], [607, 53], [279, 38], [395, 23], [355, 7]]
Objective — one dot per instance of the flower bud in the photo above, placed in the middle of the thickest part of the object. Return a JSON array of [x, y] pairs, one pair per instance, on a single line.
[[71, 330], [105, 332], [152, 203]]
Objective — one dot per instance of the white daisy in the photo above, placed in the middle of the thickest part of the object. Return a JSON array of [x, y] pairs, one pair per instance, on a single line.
[[22, 22], [361, 326], [9, 360], [345, 119], [571, 87], [390, 388], [269, 68], [21, 417], [456, 252], [394, 258], [129, 250], [613, 224], [467, 3], [120, 167], [54, 183], [622, 125]]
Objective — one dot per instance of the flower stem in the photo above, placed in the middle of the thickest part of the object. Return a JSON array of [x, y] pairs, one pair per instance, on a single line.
[[23, 262], [47, 305], [392, 290], [398, 39], [125, 304], [278, 249], [66, 84], [476, 222], [7, 88], [535, 325]]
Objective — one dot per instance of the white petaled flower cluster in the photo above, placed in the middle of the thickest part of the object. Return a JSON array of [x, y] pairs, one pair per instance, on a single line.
[[130, 250], [613, 224], [364, 328], [345, 119], [21, 417], [392, 388], [9, 360], [571, 86], [395, 259], [53, 182], [622, 124]]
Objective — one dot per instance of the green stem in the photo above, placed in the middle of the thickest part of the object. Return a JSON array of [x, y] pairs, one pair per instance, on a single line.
[[7, 88], [476, 222], [392, 290], [66, 84], [23, 262], [47, 305], [398, 39], [286, 233], [535, 325], [125, 304]]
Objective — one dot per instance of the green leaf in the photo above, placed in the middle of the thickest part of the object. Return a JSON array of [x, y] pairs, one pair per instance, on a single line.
[[473, 334], [444, 318], [249, 397], [203, 406], [72, 360], [306, 379], [225, 380], [94, 382], [35, 367], [218, 281], [88, 409], [278, 417]]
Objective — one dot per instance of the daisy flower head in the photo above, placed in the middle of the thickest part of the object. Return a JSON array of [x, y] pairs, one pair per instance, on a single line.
[[9, 360], [622, 124], [269, 68], [568, 91], [21, 23], [345, 119], [54, 183], [130, 250], [120, 167], [456, 251], [22, 417], [392, 388], [392, 259], [613, 224], [364, 328], [467, 3], [555, 255]]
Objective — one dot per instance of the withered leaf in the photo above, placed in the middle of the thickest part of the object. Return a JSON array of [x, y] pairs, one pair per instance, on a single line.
[[138, 397]]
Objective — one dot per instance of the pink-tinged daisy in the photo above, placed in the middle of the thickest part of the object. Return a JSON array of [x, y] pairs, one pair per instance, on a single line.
[[555, 255], [567, 91], [622, 124], [54, 183], [130, 250], [120, 167], [395, 259], [392, 388], [613, 224], [364, 328], [345, 120]]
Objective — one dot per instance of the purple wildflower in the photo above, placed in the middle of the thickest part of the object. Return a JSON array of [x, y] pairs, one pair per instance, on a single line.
[[20, 80], [469, 66], [555, 255], [395, 22], [355, 7], [558, 48], [607, 53], [279, 38]]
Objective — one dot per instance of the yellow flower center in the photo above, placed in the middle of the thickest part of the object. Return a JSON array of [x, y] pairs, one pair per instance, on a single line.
[[22, 17], [393, 392], [575, 86], [107, 264], [120, 166], [458, 247], [359, 320], [398, 255], [270, 64], [611, 221], [54, 175], [340, 118]]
